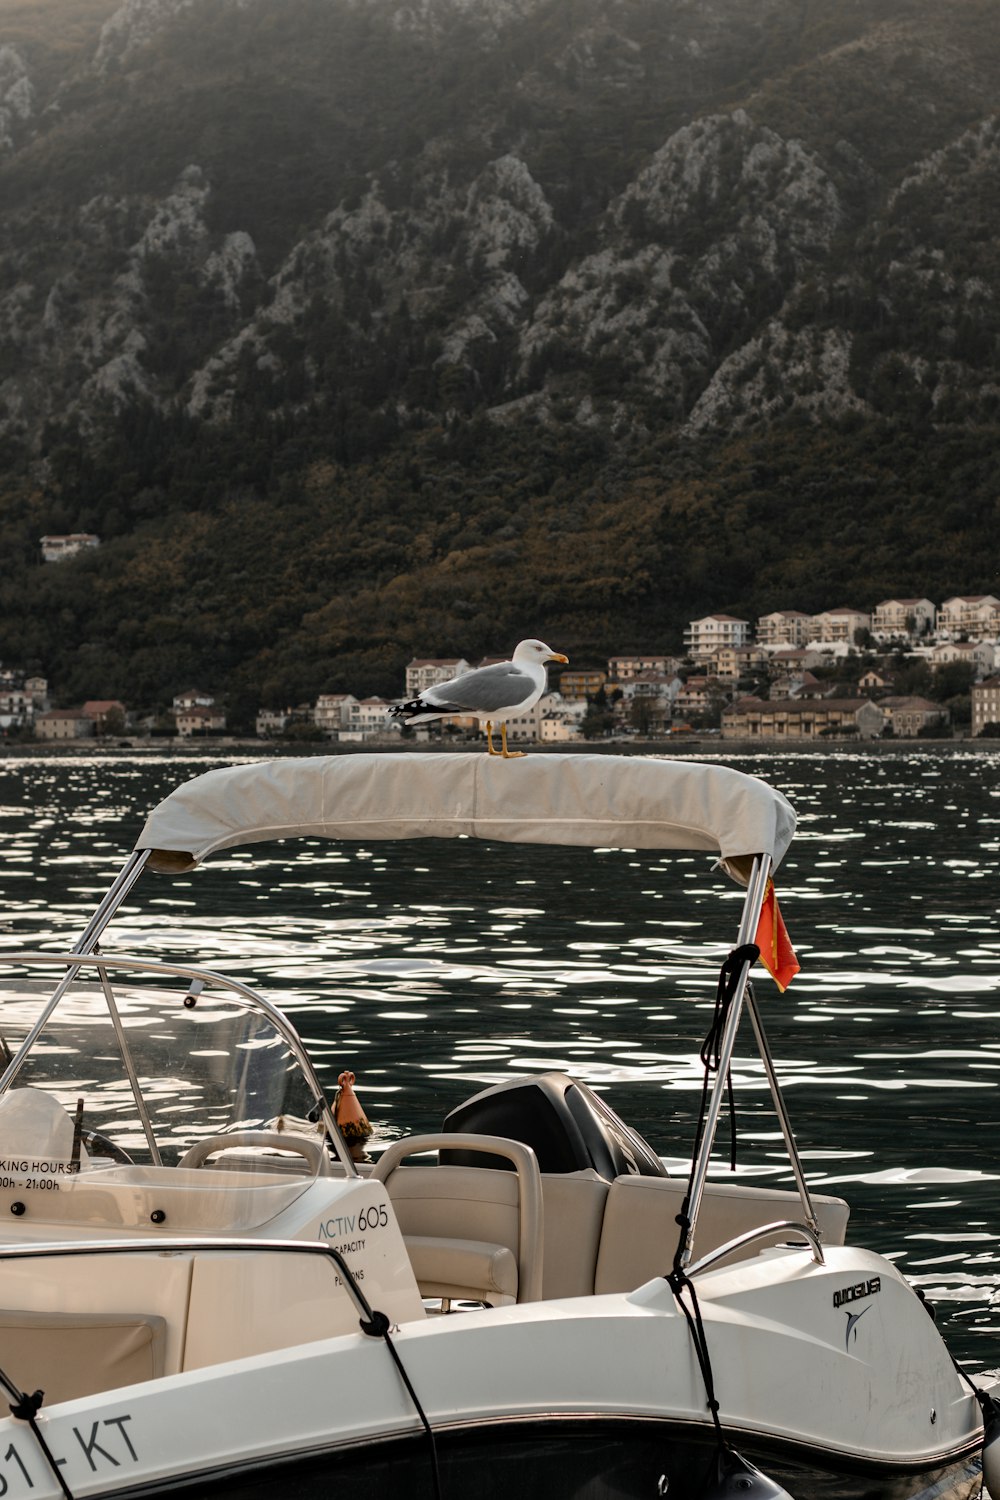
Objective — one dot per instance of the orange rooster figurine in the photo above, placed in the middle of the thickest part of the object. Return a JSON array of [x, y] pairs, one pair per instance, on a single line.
[[351, 1118]]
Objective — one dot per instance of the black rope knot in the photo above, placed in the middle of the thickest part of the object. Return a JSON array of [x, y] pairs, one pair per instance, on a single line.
[[677, 1279], [729, 976], [725, 994], [681, 1285], [28, 1407], [377, 1326]]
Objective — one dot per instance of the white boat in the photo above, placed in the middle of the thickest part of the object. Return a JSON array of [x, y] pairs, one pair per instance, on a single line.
[[215, 1298]]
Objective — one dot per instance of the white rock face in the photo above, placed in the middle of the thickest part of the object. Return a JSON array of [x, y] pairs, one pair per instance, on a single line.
[[228, 268], [974, 150], [703, 292], [100, 335], [17, 97], [501, 217], [431, 17], [507, 212], [778, 370], [121, 380], [179, 222], [132, 26], [726, 215]]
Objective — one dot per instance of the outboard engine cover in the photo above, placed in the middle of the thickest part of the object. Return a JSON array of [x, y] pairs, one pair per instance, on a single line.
[[568, 1127]]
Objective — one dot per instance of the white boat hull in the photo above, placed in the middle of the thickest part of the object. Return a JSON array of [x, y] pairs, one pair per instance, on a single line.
[[593, 1396]]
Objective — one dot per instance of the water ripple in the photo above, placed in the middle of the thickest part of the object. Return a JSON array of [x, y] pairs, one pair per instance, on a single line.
[[436, 969]]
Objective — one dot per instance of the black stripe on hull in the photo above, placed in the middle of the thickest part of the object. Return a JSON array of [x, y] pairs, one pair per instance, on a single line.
[[593, 1460]]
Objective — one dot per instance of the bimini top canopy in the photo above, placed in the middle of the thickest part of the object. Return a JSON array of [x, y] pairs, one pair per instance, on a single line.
[[626, 802]]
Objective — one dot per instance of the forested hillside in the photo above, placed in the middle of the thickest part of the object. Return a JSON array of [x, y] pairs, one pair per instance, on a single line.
[[359, 329]]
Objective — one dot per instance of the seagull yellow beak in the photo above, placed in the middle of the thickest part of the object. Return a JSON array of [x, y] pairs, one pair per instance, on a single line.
[[558, 656]]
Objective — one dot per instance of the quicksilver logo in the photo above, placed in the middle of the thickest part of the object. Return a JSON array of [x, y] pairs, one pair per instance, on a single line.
[[853, 1319], [854, 1294], [857, 1291]]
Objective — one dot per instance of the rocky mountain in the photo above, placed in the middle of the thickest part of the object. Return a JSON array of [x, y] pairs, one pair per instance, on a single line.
[[378, 328]]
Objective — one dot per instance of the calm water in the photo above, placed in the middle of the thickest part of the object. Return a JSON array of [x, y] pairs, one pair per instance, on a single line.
[[432, 969]]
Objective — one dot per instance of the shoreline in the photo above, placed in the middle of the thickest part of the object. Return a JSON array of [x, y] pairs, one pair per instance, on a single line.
[[692, 746]]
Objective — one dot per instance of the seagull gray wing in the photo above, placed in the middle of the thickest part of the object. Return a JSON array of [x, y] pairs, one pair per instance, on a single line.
[[484, 691]]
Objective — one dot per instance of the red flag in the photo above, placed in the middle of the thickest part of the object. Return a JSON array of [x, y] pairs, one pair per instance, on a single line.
[[776, 951]]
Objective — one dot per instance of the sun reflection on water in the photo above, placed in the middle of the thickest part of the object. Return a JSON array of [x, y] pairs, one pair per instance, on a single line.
[[433, 969]]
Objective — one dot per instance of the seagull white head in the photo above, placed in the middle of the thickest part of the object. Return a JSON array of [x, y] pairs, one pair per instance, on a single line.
[[536, 651]]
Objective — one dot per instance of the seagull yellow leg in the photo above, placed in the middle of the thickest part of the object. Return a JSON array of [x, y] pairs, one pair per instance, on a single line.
[[489, 739], [508, 754]]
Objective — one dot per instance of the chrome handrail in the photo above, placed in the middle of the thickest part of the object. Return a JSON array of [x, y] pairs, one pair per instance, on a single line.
[[39, 1251], [764, 1232]]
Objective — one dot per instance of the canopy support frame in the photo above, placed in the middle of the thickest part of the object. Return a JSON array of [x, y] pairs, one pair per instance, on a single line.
[[756, 890], [781, 1111], [87, 944], [760, 875]]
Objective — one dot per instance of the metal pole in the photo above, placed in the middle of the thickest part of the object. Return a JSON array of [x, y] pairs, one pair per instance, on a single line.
[[87, 943], [133, 1076], [756, 888], [127, 878], [781, 1111]]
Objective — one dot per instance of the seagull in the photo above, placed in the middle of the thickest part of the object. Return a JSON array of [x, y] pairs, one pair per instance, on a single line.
[[494, 694]]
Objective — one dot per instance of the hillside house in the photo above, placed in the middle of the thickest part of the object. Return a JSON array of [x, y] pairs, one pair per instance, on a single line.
[[622, 669], [332, 712], [558, 729], [981, 656], [753, 718], [698, 696], [581, 682], [199, 720], [796, 685], [703, 637], [17, 708], [192, 698], [427, 671], [271, 722], [733, 662], [839, 626], [985, 704], [875, 682], [976, 616], [101, 710], [784, 627], [661, 686], [911, 618], [64, 724], [908, 717], [58, 548], [368, 719], [647, 701], [797, 659]]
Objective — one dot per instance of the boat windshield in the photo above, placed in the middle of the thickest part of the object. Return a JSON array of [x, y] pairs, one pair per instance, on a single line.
[[174, 1068]]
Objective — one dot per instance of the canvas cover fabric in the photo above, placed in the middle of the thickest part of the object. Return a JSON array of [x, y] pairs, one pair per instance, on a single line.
[[599, 801]]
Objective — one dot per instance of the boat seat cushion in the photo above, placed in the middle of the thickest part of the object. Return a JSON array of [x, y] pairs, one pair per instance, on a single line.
[[640, 1230], [480, 1205], [473, 1203], [463, 1270], [69, 1354], [477, 1207], [574, 1212]]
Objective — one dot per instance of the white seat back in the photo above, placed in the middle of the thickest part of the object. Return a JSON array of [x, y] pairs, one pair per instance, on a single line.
[[483, 1209], [640, 1230]]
